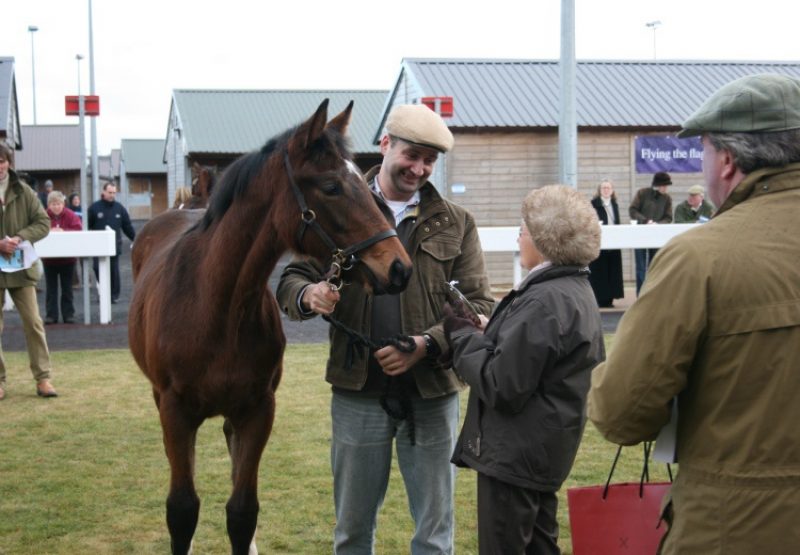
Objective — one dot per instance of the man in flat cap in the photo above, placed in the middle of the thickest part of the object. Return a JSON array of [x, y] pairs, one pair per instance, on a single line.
[[386, 396], [651, 205], [695, 208], [718, 327]]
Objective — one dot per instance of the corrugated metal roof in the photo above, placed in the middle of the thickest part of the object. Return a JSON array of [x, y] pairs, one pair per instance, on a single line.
[[233, 122], [142, 156], [525, 93], [49, 147], [9, 111]]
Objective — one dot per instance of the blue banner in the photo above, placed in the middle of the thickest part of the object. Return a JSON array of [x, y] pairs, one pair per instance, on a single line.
[[668, 154]]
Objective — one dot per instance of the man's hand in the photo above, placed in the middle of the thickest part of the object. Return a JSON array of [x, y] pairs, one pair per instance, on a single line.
[[395, 362], [9, 244], [320, 298]]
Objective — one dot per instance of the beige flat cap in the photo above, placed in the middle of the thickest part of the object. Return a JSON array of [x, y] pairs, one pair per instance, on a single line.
[[419, 124]]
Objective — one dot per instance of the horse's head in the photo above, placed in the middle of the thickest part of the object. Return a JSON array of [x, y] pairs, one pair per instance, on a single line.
[[338, 221]]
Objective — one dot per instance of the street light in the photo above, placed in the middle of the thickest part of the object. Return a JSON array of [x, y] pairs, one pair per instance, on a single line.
[[653, 25], [32, 29], [79, 57]]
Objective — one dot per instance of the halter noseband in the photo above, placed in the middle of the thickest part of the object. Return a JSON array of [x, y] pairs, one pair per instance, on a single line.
[[341, 259]]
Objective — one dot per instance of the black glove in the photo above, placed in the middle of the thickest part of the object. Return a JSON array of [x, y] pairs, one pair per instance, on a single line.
[[455, 318]]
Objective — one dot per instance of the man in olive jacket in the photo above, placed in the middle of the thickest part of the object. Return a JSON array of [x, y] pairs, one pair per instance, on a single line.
[[442, 241], [23, 218], [718, 326]]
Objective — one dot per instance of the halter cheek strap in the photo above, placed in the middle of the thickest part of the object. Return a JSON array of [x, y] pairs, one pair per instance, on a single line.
[[342, 259]]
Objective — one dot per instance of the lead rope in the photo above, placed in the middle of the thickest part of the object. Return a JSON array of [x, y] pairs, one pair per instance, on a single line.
[[403, 343]]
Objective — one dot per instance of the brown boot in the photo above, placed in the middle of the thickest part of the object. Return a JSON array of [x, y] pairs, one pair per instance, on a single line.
[[45, 389]]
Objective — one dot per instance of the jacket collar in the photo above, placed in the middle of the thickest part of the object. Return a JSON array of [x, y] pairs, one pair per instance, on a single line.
[[551, 272], [763, 182]]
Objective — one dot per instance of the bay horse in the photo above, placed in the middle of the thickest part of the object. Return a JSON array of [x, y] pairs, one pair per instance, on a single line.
[[204, 326], [203, 180]]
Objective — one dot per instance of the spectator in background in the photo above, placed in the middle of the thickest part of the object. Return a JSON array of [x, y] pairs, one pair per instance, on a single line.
[[23, 219], [108, 212], [606, 270], [651, 205], [45, 192], [182, 197], [74, 204], [60, 269], [695, 208]]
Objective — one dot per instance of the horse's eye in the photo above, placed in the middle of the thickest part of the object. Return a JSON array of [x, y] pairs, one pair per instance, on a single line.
[[332, 188]]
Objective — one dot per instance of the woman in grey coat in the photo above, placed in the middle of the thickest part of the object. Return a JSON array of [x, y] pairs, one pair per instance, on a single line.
[[529, 374]]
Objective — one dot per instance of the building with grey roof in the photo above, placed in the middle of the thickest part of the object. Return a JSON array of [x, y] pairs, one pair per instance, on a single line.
[[506, 114], [51, 152], [143, 177], [214, 127]]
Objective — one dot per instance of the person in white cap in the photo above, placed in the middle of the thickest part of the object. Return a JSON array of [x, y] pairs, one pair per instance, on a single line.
[[388, 397], [695, 208]]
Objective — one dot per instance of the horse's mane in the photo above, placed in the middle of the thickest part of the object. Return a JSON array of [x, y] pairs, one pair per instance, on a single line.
[[238, 176]]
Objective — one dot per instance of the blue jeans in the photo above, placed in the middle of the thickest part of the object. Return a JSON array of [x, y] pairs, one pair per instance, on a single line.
[[361, 458], [643, 259]]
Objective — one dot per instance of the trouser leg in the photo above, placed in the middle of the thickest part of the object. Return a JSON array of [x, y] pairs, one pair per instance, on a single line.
[[51, 292], [361, 455], [515, 520], [65, 276], [115, 279], [25, 300], [428, 474]]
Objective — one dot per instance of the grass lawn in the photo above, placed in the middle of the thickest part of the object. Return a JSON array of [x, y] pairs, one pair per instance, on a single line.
[[86, 472]]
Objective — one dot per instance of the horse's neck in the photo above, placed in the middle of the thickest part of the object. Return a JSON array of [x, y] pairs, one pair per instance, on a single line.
[[247, 243]]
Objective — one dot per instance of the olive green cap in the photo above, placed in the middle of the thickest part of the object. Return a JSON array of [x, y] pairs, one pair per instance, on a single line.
[[759, 103]]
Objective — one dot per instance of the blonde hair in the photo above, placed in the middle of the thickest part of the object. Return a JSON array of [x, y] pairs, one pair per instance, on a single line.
[[562, 224], [182, 196], [56, 196]]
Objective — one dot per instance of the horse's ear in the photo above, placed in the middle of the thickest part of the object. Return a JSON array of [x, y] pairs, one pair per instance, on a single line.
[[340, 122], [316, 125]]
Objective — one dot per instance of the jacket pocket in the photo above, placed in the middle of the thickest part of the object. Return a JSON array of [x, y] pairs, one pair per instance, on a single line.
[[442, 246]]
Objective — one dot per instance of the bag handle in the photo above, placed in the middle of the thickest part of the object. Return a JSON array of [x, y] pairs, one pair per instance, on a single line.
[[647, 446]]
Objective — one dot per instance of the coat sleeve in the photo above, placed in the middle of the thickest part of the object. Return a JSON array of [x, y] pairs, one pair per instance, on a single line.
[[127, 227], [506, 371], [469, 270], [653, 349], [297, 275], [73, 222], [635, 208], [38, 222], [666, 217]]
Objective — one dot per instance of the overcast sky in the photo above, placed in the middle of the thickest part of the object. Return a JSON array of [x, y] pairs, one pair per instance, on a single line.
[[145, 49]]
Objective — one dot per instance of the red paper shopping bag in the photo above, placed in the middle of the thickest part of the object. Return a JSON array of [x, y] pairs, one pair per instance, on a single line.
[[622, 522], [618, 518]]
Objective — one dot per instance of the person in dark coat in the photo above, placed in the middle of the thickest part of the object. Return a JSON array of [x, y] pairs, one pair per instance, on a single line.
[[108, 212], [606, 270], [651, 205], [529, 374]]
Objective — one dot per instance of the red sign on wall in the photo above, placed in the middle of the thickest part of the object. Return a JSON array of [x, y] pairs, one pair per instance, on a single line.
[[442, 105], [91, 105]]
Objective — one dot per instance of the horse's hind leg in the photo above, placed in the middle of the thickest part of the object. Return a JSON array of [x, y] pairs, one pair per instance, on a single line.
[[246, 436], [183, 505]]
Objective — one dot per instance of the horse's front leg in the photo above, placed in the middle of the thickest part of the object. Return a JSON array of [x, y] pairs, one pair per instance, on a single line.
[[183, 505], [247, 436]]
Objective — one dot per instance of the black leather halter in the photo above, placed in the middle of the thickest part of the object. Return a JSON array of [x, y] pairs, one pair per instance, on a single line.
[[341, 259]]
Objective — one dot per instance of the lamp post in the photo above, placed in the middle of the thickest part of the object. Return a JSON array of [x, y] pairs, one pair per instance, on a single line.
[[79, 57], [653, 25], [32, 29]]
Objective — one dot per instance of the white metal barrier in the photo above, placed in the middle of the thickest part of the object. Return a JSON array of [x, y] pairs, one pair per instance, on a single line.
[[626, 236], [84, 244]]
